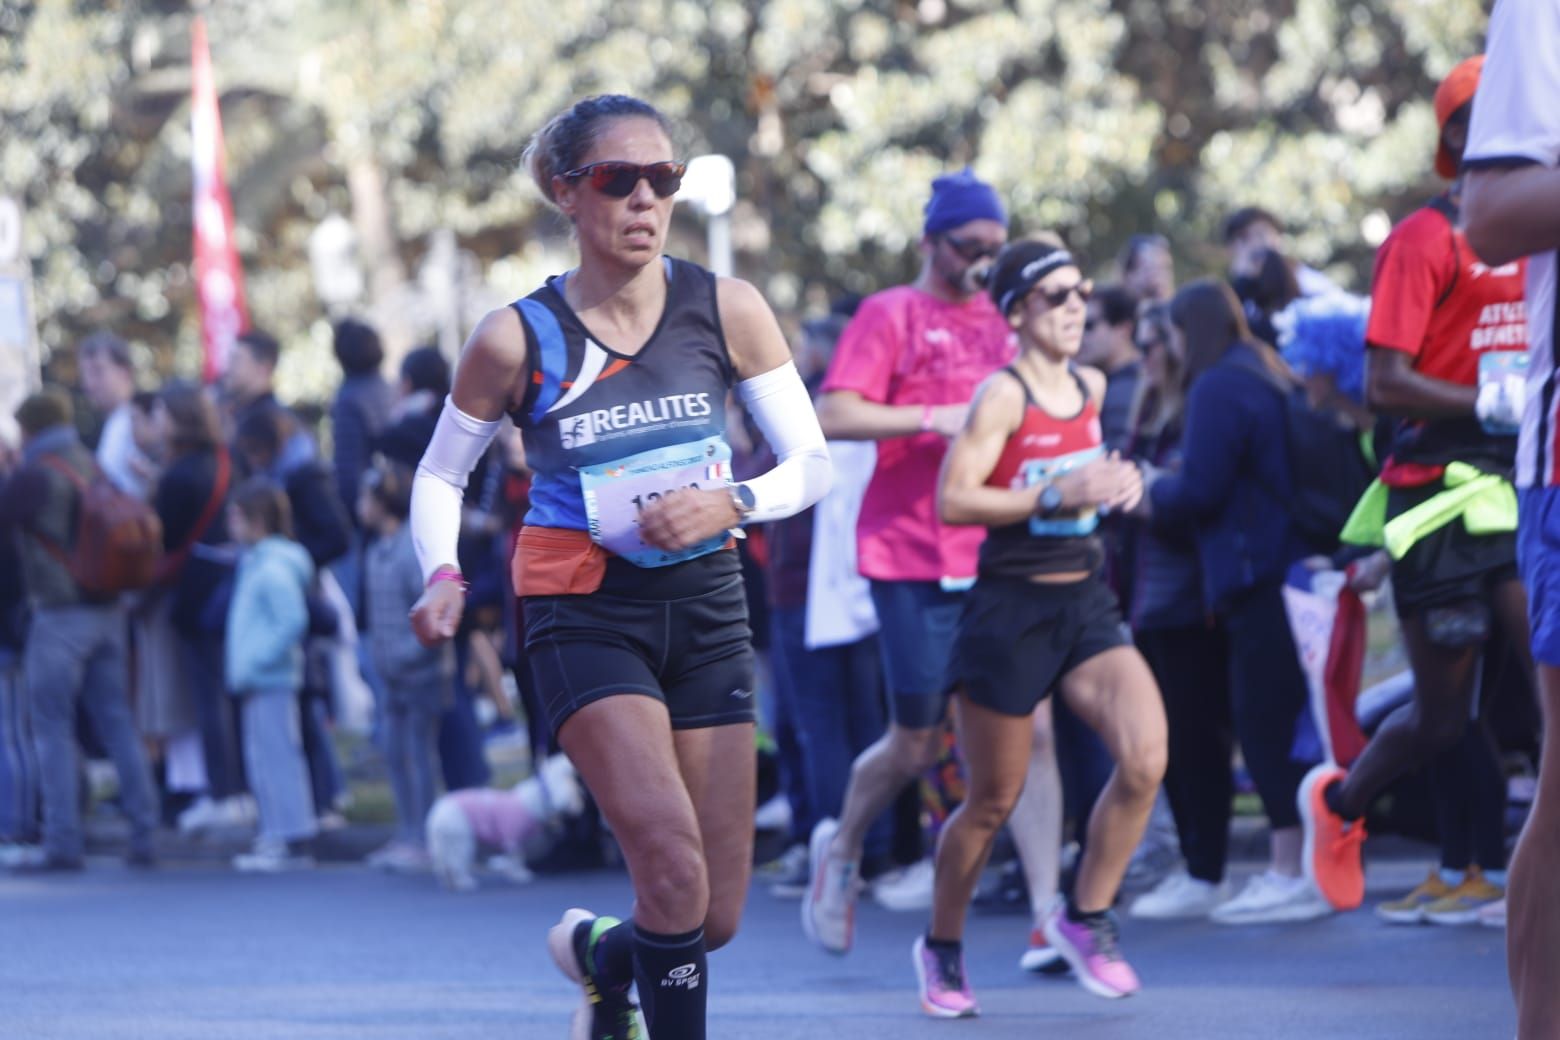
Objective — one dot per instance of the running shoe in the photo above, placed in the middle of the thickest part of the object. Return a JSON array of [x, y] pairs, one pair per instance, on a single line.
[[272, 857], [829, 908], [604, 1013], [1270, 898], [906, 889], [945, 991], [1411, 908], [1332, 844], [1093, 950], [1463, 903], [1042, 958], [1180, 897], [1493, 915]]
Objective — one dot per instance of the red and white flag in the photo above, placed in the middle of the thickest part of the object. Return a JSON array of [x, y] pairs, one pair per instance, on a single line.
[[219, 280]]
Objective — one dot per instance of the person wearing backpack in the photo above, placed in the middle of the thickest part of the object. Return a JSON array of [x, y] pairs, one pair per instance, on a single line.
[[76, 652], [1444, 333], [1232, 495]]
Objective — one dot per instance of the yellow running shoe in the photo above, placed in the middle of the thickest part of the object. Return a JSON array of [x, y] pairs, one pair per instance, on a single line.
[[1411, 908], [1463, 904]]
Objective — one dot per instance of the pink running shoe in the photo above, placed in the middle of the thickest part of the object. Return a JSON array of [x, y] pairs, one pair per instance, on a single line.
[[1092, 949], [945, 992]]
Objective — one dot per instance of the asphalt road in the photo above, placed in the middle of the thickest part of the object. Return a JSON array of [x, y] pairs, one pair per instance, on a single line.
[[201, 953]]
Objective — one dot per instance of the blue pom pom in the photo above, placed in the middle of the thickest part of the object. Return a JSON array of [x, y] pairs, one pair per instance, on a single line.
[[1325, 335]]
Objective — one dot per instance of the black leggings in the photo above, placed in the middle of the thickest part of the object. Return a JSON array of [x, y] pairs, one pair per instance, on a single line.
[[1268, 692], [1192, 666]]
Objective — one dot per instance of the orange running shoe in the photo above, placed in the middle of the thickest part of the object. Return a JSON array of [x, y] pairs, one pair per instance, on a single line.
[[1332, 844]]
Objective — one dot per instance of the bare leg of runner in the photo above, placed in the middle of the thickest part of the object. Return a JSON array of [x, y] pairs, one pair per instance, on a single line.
[[1533, 888], [834, 852], [1036, 827], [1114, 693], [876, 778], [996, 761], [626, 752]]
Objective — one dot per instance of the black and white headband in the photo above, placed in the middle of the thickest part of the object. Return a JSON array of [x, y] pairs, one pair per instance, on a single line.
[[1032, 273]]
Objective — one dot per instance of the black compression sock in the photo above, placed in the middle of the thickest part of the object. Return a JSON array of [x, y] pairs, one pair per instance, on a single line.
[[951, 947], [611, 963], [1078, 916], [671, 973], [1332, 794]]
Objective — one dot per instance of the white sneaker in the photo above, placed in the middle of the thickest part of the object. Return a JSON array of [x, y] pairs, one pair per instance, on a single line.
[[237, 812], [907, 889], [330, 820], [829, 907], [202, 813], [1180, 896], [270, 858], [773, 815], [398, 857], [19, 856], [1270, 898]]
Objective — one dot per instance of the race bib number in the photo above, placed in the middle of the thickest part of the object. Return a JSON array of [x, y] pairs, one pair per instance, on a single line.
[[1071, 525], [616, 493], [1503, 383]]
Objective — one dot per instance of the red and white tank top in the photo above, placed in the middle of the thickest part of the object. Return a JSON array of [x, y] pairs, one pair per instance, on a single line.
[[1043, 448]]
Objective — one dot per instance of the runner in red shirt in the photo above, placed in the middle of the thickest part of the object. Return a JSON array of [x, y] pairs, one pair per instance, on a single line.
[[1442, 323]]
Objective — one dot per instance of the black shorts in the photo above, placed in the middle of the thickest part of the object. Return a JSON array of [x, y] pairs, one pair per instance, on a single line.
[[679, 634], [1018, 638], [1448, 567]]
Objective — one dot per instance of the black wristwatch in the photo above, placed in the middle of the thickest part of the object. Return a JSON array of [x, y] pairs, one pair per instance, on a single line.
[[742, 498], [1050, 500]]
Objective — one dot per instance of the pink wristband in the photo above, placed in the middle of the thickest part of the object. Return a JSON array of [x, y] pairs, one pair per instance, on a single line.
[[448, 575], [926, 418]]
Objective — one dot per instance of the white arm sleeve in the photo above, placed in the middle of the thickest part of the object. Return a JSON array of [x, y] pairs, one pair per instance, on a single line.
[[778, 402], [440, 485]]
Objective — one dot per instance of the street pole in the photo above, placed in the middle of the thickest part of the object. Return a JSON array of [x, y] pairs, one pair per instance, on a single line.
[[711, 185]]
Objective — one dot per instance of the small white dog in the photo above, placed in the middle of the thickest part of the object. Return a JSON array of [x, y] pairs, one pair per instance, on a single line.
[[461, 822]]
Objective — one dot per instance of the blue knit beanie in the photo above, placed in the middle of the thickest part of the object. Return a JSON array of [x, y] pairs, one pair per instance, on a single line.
[[958, 198]]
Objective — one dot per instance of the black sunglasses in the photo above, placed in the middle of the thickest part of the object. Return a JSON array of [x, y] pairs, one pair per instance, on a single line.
[[972, 249], [1058, 297], [619, 179]]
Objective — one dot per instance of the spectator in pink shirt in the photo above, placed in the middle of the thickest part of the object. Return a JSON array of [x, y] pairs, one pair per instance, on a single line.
[[903, 375]]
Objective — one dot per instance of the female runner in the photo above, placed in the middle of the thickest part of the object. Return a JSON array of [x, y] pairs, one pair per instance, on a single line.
[[636, 627], [1030, 465]]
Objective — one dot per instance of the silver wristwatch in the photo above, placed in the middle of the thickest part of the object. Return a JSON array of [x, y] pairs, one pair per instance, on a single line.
[[742, 498]]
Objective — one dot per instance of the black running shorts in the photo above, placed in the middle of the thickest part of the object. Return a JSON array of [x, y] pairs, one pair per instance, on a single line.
[[1448, 567], [1018, 638], [679, 634]]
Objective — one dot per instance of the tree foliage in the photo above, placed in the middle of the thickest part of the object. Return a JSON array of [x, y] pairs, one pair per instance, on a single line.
[[1098, 118]]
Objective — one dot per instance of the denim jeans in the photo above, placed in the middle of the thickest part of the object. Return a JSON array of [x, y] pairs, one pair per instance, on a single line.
[[836, 700], [77, 655], [278, 773], [411, 743], [462, 756], [18, 757]]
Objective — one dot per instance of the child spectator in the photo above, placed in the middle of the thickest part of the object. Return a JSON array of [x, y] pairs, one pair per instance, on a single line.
[[415, 677], [266, 625]]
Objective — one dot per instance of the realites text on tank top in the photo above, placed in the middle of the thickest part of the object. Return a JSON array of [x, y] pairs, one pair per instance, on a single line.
[[1043, 448], [606, 433]]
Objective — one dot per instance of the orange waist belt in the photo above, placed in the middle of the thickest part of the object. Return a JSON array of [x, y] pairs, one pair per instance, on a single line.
[[556, 561], [559, 561]]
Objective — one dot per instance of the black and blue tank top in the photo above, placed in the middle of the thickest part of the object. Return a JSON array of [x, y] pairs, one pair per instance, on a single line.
[[605, 431]]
